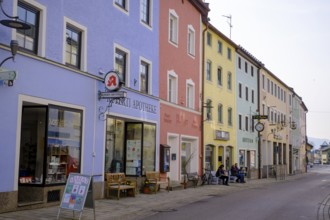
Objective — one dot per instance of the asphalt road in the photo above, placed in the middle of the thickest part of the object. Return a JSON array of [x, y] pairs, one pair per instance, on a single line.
[[303, 198]]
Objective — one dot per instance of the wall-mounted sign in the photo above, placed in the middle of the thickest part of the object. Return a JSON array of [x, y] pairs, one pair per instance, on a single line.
[[107, 95], [112, 81], [221, 135], [259, 116]]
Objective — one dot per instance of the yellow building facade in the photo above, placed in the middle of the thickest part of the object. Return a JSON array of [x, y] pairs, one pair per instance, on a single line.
[[219, 99]]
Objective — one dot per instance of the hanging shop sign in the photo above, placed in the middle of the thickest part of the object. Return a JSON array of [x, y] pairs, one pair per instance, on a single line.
[[112, 81]]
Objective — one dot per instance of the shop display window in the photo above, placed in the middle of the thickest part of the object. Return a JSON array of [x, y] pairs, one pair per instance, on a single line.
[[130, 147], [50, 144]]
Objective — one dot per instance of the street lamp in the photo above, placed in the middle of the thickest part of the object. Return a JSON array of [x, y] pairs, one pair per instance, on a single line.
[[13, 21], [13, 49]]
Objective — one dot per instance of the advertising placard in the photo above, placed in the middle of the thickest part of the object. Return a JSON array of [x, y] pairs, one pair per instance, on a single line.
[[75, 192]]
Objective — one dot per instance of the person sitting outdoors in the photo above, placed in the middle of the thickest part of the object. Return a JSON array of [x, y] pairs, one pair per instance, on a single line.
[[222, 174], [235, 171]]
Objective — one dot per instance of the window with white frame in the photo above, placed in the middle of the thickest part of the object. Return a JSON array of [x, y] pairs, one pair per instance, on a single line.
[[240, 90], [219, 76], [229, 80], [228, 53], [121, 63], [33, 39], [220, 113], [209, 70], [122, 4], [240, 122], [209, 38], [263, 81], [146, 12], [75, 45], [239, 63], [190, 94], [208, 109], [247, 123], [173, 27], [252, 96], [246, 93], [230, 116], [172, 87], [219, 47], [191, 40], [145, 75]]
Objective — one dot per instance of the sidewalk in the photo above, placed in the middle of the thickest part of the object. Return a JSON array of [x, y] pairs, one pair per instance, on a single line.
[[143, 204]]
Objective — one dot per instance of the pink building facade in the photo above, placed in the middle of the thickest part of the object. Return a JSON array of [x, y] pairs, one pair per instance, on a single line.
[[180, 84]]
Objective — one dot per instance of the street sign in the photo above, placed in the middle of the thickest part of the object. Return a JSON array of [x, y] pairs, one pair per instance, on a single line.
[[109, 95], [260, 117]]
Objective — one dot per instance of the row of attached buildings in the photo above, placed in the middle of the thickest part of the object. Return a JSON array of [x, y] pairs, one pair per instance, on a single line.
[[194, 98]]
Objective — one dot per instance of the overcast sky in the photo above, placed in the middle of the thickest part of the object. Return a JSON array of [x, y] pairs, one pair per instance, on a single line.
[[292, 39]]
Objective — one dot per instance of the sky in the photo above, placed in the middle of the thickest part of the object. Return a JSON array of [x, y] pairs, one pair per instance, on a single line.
[[292, 39]]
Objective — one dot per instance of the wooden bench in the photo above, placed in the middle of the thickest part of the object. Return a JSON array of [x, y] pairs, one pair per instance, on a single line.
[[117, 182], [154, 177], [193, 177]]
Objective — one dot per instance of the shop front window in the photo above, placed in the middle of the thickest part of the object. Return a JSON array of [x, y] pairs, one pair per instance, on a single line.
[[130, 147], [50, 144], [149, 149], [32, 145], [114, 149], [241, 158], [64, 144], [209, 158]]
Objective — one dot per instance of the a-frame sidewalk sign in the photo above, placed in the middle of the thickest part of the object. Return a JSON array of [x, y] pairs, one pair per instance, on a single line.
[[78, 193]]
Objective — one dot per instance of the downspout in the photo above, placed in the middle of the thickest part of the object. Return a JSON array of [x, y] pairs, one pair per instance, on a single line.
[[259, 136], [203, 66]]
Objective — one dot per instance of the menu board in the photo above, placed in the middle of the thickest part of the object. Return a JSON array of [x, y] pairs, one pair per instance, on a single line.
[[75, 191]]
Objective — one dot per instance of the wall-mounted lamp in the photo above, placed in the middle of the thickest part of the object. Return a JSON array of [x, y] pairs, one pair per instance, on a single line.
[[13, 22], [13, 48]]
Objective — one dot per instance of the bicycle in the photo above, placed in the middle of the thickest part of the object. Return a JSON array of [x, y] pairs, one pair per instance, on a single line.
[[206, 177]]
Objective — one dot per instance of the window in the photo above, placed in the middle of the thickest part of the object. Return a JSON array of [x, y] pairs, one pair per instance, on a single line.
[[173, 26], [229, 53], [208, 70], [252, 125], [28, 39], [190, 94], [209, 38], [51, 148], [146, 12], [219, 76], [123, 4], [268, 86], [121, 64], [239, 63], [219, 47], [220, 118], [172, 87], [263, 81], [246, 67], [252, 96], [229, 81], [275, 90], [191, 40], [122, 139], [239, 90], [246, 123], [144, 76], [73, 46], [240, 122], [272, 87], [209, 109], [230, 116], [252, 71], [246, 93]]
